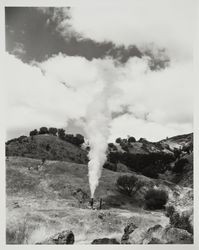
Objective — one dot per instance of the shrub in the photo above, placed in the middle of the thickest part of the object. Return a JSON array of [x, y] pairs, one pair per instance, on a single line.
[[33, 132], [113, 157], [177, 153], [53, 131], [77, 140], [61, 133], [179, 165], [112, 146], [110, 166], [43, 130], [142, 140], [22, 138], [151, 171], [118, 140], [131, 139], [169, 210], [156, 199], [128, 184], [48, 147], [178, 220]]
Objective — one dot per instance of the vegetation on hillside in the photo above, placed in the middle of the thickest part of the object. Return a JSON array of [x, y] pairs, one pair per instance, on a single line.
[[46, 147]]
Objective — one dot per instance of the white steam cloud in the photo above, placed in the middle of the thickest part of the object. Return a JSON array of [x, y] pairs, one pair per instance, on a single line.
[[97, 126]]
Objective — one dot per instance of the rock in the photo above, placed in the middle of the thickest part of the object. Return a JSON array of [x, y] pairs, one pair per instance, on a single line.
[[129, 229], [16, 205], [174, 235], [155, 241], [167, 235], [101, 216], [105, 241], [154, 234], [65, 237], [154, 229]]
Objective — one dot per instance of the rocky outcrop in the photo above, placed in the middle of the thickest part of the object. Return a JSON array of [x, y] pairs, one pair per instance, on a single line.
[[156, 235], [172, 235], [105, 241], [128, 230], [180, 219], [65, 237]]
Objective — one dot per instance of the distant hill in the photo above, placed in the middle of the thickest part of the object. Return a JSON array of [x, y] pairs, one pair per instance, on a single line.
[[178, 141], [143, 146], [46, 146], [151, 159]]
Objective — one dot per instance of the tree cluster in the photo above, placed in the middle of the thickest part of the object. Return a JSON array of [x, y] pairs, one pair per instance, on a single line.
[[77, 139], [148, 164]]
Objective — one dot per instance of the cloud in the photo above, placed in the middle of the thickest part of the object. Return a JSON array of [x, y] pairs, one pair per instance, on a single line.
[[157, 103], [169, 24], [128, 125], [165, 96], [19, 50]]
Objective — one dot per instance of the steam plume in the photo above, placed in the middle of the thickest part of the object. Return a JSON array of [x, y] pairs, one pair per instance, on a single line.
[[97, 126]]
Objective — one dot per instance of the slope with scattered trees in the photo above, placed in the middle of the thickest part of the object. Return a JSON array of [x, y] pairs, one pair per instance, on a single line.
[[46, 146]]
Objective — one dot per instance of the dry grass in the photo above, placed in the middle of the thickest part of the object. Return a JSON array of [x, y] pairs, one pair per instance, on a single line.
[[47, 205]]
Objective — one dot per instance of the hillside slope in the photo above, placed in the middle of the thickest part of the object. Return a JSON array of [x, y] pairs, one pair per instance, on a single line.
[[143, 146], [46, 146], [55, 198]]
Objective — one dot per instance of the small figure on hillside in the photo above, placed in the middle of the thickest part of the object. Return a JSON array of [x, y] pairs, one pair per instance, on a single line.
[[91, 202], [100, 205]]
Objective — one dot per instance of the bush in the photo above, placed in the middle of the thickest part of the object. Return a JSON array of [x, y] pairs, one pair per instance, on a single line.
[[178, 220], [43, 130], [48, 147], [61, 133], [53, 131], [169, 210], [179, 165], [131, 139], [151, 171], [113, 157], [128, 184], [22, 138], [118, 140], [177, 152], [156, 199], [112, 146], [33, 132], [143, 140], [77, 140], [110, 166]]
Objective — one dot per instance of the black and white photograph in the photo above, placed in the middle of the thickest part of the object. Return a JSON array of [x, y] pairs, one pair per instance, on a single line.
[[99, 108]]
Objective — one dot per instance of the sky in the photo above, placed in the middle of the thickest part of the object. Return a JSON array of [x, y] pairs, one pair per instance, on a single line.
[[54, 59]]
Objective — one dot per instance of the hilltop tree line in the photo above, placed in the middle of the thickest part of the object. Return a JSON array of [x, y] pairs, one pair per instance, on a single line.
[[77, 139]]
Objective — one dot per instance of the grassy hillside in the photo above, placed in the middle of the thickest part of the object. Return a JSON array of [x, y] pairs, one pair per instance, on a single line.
[[55, 198], [46, 146]]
